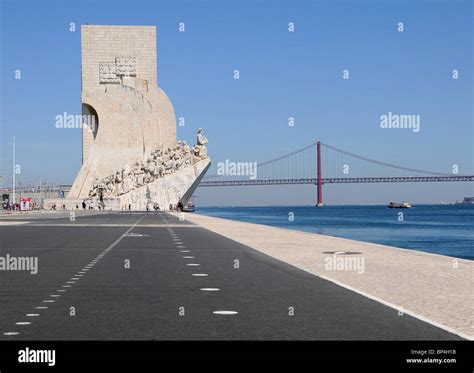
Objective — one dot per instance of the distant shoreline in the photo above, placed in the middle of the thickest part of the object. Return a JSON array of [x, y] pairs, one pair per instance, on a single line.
[[414, 204]]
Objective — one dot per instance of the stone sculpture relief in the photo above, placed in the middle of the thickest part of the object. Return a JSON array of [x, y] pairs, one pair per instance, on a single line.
[[110, 72], [158, 164]]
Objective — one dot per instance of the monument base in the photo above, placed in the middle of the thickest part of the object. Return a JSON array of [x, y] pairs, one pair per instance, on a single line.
[[167, 190], [163, 192]]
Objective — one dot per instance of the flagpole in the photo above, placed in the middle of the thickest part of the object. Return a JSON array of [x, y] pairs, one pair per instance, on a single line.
[[14, 172]]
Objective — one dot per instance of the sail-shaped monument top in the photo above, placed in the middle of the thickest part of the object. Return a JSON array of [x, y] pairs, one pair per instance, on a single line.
[[126, 114]]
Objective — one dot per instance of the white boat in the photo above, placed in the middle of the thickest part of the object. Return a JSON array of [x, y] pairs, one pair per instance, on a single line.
[[397, 205]]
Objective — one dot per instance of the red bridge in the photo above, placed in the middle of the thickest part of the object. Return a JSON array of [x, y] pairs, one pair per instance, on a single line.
[[305, 166]]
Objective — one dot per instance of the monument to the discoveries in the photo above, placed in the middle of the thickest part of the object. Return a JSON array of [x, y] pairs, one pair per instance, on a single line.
[[130, 157]]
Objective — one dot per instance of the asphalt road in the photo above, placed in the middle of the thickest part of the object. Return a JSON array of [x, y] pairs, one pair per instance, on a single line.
[[149, 276]]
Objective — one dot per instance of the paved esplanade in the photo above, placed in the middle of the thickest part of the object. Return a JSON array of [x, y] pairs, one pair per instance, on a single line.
[[179, 276]]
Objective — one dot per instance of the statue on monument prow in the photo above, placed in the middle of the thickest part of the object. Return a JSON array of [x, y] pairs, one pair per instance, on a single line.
[[200, 149]]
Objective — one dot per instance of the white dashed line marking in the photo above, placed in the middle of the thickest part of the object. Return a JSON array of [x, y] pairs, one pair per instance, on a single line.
[[209, 289], [48, 301], [32, 314], [74, 278], [225, 312], [11, 333], [70, 282], [61, 290], [192, 264], [41, 308], [184, 251], [188, 257], [55, 295], [22, 323], [66, 286], [200, 274]]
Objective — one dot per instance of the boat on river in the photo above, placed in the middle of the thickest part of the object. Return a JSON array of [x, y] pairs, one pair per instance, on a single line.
[[397, 205]]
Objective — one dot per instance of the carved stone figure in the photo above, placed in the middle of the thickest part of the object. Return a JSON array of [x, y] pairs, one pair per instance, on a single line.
[[201, 139], [127, 183], [200, 149], [110, 186], [156, 165], [95, 186]]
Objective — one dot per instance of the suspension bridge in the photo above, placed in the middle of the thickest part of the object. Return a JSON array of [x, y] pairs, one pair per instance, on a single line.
[[319, 164]]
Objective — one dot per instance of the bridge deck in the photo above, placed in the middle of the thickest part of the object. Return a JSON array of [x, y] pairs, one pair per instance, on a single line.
[[339, 180]]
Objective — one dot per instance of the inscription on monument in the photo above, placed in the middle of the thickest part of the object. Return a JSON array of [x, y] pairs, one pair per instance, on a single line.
[[126, 65], [110, 72]]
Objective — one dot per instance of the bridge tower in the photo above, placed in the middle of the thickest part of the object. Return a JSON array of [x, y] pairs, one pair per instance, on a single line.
[[319, 183]]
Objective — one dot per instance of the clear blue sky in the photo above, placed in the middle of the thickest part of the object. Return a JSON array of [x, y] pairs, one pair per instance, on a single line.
[[282, 74]]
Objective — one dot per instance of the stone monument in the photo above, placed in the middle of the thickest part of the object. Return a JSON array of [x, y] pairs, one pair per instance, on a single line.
[[130, 156]]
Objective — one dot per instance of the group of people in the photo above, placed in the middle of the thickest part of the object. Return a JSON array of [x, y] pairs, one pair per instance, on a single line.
[[177, 207], [100, 206], [17, 206], [10, 206], [153, 206], [84, 206]]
